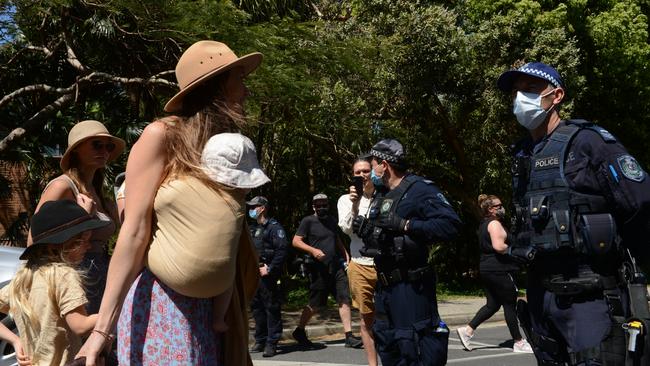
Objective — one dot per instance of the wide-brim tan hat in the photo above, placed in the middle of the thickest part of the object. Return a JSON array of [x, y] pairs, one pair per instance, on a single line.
[[205, 59], [85, 130]]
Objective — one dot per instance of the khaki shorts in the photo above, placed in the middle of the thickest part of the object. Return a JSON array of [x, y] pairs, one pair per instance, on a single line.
[[363, 280]]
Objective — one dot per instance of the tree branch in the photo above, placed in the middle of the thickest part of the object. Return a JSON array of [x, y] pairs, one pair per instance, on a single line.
[[68, 97], [128, 81], [33, 89], [464, 167], [331, 145], [36, 120], [72, 57]]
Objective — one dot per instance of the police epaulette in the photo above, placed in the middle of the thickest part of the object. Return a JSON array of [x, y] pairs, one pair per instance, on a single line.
[[606, 135]]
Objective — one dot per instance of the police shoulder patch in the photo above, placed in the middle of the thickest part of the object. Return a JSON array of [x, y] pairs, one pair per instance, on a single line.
[[280, 233], [443, 199], [631, 168]]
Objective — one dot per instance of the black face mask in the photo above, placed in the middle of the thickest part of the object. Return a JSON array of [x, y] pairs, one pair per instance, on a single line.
[[321, 212]]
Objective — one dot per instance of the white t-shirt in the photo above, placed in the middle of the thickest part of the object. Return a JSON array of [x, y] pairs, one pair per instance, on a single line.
[[346, 217]]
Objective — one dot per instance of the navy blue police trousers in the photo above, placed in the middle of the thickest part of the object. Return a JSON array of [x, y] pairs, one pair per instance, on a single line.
[[406, 319], [266, 309]]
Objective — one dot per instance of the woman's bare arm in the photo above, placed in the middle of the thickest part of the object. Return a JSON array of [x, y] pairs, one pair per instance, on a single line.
[[498, 236]]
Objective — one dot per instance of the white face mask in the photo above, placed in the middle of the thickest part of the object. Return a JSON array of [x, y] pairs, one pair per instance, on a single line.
[[527, 107]]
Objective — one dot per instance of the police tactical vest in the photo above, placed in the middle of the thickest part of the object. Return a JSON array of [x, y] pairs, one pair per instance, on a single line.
[[395, 251], [551, 216], [263, 242]]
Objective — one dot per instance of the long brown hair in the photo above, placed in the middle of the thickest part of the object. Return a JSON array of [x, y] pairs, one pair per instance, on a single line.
[[485, 201], [98, 183], [204, 114]]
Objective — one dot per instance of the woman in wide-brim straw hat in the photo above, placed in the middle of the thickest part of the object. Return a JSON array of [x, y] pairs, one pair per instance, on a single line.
[[180, 244], [90, 148]]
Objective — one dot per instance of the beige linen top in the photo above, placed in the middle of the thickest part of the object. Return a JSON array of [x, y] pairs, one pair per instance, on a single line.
[[55, 344], [196, 235]]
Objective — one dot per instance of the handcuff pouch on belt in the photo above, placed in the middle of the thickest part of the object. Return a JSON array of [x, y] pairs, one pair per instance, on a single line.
[[597, 234]]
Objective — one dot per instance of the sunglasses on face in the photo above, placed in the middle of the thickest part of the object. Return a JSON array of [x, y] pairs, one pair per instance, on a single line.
[[99, 145]]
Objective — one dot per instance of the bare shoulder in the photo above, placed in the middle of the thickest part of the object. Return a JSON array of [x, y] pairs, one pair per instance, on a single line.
[[495, 225], [57, 189], [155, 129], [153, 137]]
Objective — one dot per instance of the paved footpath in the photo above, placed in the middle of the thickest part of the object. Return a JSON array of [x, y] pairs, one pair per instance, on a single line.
[[454, 311], [492, 347]]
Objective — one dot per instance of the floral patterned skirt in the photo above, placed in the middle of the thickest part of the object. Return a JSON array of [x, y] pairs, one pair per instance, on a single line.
[[159, 326]]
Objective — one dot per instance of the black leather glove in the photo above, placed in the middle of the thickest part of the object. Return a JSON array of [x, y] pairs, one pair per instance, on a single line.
[[362, 226], [521, 255], [393, 222]]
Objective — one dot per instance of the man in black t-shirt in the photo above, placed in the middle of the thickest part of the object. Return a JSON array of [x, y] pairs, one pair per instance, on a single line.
[[317, 236]]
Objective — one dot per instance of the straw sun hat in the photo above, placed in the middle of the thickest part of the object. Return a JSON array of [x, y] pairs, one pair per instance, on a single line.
[[85, 130], [203, 60]]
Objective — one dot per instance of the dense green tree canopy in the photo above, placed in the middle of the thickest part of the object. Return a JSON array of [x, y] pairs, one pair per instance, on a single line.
[[337, 76]]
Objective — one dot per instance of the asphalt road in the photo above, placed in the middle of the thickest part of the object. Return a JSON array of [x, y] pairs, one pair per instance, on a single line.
[[492, 348]]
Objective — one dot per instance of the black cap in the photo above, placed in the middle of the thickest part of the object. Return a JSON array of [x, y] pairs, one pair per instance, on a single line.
[[258, 201], [59, 221], [390, 150]]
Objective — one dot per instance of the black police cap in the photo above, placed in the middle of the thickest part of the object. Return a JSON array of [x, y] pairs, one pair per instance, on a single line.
[[390, 150]]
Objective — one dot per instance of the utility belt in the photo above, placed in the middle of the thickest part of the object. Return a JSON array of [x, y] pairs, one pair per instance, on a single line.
[[398, 275], [585, 284]]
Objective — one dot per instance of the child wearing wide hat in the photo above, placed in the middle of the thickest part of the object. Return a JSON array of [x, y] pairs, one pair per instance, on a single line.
[[46, 297]]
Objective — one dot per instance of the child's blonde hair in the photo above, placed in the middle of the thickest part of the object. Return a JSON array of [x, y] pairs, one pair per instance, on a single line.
[[47, 261]]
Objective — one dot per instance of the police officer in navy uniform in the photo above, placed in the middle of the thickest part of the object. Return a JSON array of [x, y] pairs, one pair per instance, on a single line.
[[582, 212], [402, 224], [271, 244]]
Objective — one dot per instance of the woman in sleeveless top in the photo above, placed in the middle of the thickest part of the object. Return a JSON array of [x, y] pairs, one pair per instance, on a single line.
[[181, 242], [496, 274], [90, 148]]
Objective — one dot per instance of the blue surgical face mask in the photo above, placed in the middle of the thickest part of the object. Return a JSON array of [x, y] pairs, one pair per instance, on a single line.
[[376, 180], [252, 214], [527, 107]]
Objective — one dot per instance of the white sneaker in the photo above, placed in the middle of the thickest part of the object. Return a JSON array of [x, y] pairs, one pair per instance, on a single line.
[[522, 346], [464, 337]]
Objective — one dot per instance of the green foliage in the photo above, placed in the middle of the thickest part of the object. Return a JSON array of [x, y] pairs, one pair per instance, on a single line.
[[296, 292]]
